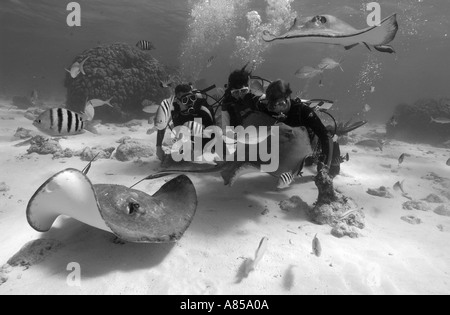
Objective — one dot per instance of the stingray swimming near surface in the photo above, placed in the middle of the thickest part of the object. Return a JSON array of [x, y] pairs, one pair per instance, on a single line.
[[328, 29]]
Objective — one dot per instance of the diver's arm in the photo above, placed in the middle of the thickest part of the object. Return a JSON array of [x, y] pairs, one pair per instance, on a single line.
[[311, 120], [160, 137]]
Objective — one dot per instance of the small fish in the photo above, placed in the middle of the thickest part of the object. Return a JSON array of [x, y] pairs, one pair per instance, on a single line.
[[77, 68], [448, 162], [62, 122], [209, 63], [370, 144], [372, 89], [342, 159], [401, 159], [393, 122], [321, 83], [399, 186], [34, 98], [330, 64], [149, 107], [308, 72], [385, 49], [286, 179], [440, 120], [316, 247], [257, 87], [367, 108], [145, 45], [89, 112], [165, 84], [99, 103], [258, 255]]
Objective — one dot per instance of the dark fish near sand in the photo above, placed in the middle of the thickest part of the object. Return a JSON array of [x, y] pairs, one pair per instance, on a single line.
[[129, 214], [328, 29], [316, 247], [62, 122], [399, 186], [448, 162], [401, 159], [370, 144], [145, 45]]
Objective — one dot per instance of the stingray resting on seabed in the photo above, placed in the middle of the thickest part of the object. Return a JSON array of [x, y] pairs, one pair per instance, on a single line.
[[131, 215], [328, 29], [294, 148]]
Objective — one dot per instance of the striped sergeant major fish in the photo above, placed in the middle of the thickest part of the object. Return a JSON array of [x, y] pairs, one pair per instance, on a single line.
[[164, 114], [145, 45], [62, 122], [285, 180], [195, 128]]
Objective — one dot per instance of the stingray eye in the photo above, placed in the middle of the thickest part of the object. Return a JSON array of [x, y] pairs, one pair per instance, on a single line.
[[133, 207]]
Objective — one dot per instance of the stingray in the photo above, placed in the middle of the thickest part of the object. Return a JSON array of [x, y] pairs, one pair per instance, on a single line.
[[129, 214], [328, 29], [295, 147]]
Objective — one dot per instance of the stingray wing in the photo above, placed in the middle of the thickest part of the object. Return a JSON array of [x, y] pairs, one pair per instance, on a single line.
[[168, 213]]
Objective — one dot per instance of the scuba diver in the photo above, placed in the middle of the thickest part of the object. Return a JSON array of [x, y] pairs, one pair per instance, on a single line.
[[295, 114], [238, 100], [182, 109]]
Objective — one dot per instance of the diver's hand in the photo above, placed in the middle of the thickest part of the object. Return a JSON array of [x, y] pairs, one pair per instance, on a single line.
[[160, 153]]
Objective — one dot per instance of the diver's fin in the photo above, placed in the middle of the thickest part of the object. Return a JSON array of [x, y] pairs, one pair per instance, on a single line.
[[351, 46]]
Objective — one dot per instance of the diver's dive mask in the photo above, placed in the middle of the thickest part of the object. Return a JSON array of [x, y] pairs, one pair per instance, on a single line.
[[240, 93], [188, 99]]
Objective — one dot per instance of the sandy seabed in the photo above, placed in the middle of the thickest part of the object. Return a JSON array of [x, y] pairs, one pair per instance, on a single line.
[[391, 256]]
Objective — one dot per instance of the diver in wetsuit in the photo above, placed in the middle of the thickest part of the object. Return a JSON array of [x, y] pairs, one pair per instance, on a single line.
[[295, 114], [238, 100], [183, 108]]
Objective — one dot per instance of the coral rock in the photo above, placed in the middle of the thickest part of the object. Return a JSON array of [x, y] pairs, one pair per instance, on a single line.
[[416, 205], [443, 210], [133, 149], [121, 71], [44, 146], [412, 220]]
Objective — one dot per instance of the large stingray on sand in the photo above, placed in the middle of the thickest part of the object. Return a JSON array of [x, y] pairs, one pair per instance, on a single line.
[[129, 214], [328, 29], [294, 147]]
